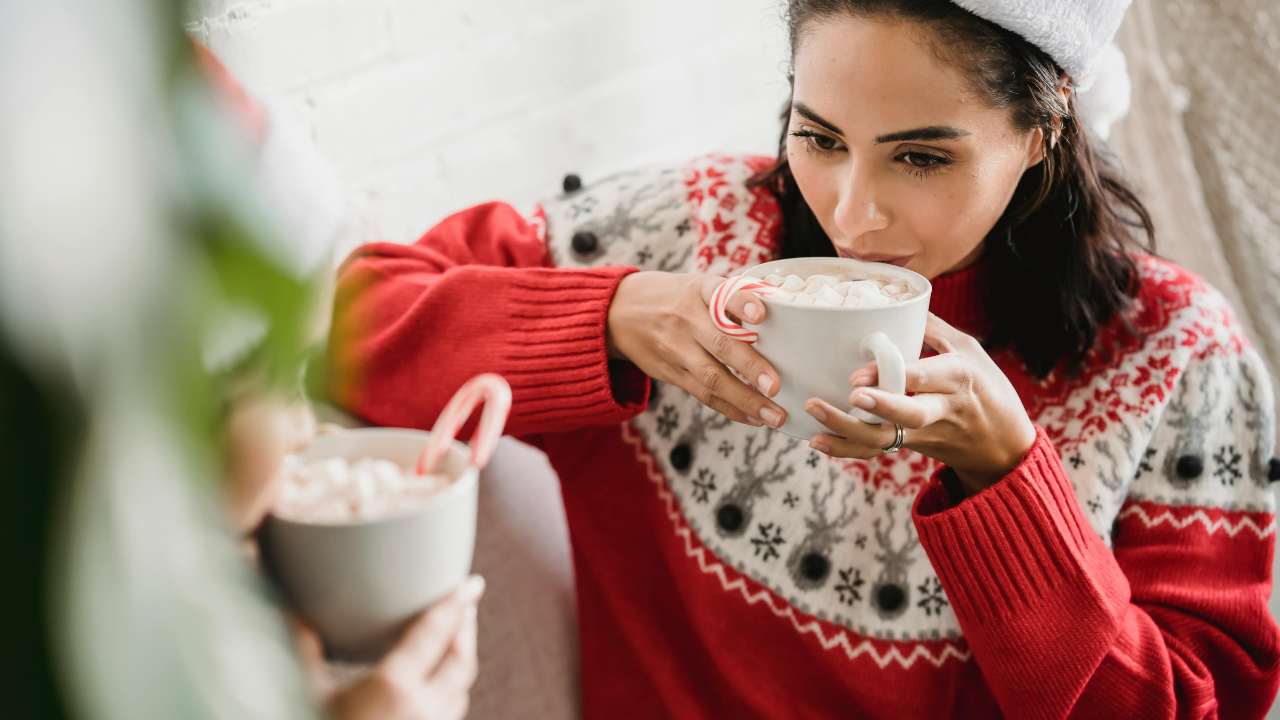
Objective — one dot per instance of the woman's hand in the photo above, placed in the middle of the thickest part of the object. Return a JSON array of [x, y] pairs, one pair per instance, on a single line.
[[426, 676], [260, 431], [964, 413], [660, 322]]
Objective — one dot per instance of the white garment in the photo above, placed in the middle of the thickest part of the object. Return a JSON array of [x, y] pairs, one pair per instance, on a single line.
[[1072, 32], [1107, 102]]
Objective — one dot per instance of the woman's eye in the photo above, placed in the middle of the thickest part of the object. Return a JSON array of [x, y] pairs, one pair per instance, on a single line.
[[921, 160], [921, 163], [824, 142], [816, 142]]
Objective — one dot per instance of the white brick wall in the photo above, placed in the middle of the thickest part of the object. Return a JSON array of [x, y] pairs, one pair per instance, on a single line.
[[429, 107]]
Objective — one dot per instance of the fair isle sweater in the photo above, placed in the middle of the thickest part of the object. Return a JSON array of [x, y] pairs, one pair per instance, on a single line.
[[726, 571]]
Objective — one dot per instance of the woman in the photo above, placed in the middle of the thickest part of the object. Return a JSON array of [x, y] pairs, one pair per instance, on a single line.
[[429, 672], [1087, 452]]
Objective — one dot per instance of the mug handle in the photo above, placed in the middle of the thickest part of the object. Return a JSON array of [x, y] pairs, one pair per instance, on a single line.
[[496, 394], [893, 370]]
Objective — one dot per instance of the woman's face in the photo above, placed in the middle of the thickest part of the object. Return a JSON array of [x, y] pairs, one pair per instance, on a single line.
[[901, 160]]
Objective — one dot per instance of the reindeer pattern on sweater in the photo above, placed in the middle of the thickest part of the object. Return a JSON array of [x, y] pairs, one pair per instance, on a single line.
[[1177, 429]]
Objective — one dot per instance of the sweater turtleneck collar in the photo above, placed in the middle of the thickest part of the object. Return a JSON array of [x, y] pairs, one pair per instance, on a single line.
[[959, 298]]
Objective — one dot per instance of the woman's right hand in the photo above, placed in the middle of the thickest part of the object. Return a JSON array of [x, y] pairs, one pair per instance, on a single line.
[[661, 323], [426, 676]]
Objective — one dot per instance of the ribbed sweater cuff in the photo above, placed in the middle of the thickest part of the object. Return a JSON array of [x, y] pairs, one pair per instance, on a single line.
[[557, 340], [1026, 573]]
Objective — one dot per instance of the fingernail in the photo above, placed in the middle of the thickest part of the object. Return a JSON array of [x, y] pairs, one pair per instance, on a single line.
[[863, 400], [819, 446], [471, 612], [765, 383], [817, 412], [754, 421], [472, 589], [771, 417], [861, 381], [753, 312]]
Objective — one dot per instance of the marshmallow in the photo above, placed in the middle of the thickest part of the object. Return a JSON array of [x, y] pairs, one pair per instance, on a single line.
[[839, 290], [814, 283], [875, 300], [792, 283], [827, 296], [335, 491], [858, 288]]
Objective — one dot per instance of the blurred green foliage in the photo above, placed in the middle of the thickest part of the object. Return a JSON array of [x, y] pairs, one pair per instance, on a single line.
[[222, 243]]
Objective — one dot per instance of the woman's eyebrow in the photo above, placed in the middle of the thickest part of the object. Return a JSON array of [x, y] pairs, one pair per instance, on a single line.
[[808, 113], [933, 132]]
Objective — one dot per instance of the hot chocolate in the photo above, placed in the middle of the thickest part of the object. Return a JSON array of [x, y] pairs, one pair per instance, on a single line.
[[839, 290], [334, 491]]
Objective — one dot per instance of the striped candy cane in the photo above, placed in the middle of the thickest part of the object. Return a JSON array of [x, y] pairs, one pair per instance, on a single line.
[[720, 302], [496, 394]]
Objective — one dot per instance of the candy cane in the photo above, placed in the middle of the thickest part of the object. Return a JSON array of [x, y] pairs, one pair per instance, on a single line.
[[496, 394], [720, 302]]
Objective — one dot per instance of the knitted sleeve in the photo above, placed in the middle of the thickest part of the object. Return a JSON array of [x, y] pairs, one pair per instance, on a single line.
[[477, 294], [1172, 620]]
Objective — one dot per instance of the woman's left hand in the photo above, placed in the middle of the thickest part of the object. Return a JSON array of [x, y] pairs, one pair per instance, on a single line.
[[964, 413]]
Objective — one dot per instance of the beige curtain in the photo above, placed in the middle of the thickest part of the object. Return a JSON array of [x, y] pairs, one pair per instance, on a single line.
[[1226, 53], [1199, 143]]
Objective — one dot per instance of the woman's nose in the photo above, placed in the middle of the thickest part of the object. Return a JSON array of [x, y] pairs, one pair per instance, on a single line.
[[860, 209]]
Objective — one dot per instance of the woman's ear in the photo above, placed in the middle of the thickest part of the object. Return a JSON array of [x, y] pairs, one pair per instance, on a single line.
[[1064, 92], [1042, 142], [1036, 149]]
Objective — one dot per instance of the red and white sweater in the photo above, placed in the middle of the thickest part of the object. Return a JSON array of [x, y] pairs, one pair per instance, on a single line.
[[726, 571]]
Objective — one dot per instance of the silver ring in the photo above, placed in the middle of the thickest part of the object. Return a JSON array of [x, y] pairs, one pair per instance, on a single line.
[[897, 441]]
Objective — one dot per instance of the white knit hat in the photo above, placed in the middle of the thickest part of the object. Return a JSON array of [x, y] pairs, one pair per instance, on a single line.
[[1072, 32]]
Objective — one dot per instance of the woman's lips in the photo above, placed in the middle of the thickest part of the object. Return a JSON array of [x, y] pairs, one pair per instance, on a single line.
[[899, 260]]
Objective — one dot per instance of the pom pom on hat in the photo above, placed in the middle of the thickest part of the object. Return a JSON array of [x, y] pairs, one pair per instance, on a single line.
[[1072, 32], [1107, 102]]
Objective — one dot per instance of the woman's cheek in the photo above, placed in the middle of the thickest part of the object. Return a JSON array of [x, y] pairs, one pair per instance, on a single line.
[[991, 186], [817, 184], [942, 217]]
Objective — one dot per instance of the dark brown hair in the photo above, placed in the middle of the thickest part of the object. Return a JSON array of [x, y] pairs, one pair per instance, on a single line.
[[1060, 259]]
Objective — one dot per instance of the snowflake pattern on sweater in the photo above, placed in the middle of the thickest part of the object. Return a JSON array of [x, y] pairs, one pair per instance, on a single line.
[[1180, 419]]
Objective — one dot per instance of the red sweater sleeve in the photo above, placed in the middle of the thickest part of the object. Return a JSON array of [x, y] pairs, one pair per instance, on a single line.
[[1173, 624], [476, 294]]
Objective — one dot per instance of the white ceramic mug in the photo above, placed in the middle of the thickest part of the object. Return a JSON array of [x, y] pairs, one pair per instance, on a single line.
[[360, 583], [815, 349]]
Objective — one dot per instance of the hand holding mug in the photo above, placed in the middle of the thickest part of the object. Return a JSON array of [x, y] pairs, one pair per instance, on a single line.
[[964, 412], [427, 675], [660, 322], [814, 336]]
